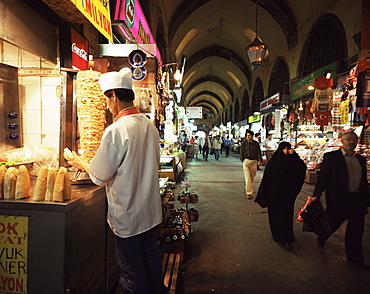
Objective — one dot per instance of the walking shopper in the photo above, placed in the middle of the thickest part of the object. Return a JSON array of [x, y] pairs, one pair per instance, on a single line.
[[270, 146], [184, 142], [250, 156], [206, 145], [281, 183], [196, 147], [227, 144], [127, 162], [217, 142], [343, 177]]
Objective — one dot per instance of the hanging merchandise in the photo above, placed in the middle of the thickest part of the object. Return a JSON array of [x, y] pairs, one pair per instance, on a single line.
[[323, 100], [323, 117], [323, 83], [363, 89], [344, 110], [308, 113]]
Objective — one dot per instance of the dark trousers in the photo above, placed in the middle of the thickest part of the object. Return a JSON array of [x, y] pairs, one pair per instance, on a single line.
[[355, 214], [205, 152], [139, 263], [227, 150]]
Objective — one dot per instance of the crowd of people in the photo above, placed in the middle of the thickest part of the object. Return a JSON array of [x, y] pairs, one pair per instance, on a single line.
[[343, 177], [204, 146]]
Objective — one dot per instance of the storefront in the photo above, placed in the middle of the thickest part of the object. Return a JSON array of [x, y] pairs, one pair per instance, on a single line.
[[324, 106], [68, 242]]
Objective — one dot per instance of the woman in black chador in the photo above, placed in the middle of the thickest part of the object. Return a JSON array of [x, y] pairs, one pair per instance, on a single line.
[[281, 183]]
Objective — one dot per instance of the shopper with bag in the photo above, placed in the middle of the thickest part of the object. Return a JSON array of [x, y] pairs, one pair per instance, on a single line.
[[343, 177], [281, 183]]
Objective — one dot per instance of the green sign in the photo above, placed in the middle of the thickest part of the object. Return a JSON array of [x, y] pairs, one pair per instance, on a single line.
[[254, 118], [300, 88]]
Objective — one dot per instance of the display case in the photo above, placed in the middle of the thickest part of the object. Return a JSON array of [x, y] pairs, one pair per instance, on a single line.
[[170, 167], [311, 135], [69, 248]]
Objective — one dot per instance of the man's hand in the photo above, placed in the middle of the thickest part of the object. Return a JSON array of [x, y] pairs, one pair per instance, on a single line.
[[259, 163], [78, 163]]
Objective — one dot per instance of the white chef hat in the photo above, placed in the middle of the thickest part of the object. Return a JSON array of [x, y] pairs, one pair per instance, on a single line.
[[116, 80]]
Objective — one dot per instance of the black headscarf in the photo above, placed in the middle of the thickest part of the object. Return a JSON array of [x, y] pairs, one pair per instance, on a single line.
[[282, 179]]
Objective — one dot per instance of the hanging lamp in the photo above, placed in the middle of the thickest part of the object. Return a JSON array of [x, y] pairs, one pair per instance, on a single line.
[[256, 50]]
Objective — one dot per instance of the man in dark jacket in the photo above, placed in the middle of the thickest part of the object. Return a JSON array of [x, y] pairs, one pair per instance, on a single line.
[[250, 156], [343, 176]]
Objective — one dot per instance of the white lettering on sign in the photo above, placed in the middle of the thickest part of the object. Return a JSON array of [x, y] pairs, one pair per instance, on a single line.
[[79, 51]]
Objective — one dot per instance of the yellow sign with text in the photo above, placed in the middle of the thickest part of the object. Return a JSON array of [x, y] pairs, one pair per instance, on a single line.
[[13, 254], [97, 12]]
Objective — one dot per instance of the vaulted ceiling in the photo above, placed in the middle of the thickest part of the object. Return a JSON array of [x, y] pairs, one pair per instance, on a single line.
[[213, 35]]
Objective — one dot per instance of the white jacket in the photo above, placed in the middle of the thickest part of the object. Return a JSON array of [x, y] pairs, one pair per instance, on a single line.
[[127, 161]]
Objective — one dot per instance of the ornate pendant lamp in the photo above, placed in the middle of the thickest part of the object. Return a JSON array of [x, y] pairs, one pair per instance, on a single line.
[[256, 50]]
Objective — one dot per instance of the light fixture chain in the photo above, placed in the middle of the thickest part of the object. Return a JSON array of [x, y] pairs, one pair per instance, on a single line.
[[256, 18]]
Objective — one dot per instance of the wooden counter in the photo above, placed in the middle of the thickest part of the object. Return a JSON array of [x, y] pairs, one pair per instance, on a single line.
[[70, 246]]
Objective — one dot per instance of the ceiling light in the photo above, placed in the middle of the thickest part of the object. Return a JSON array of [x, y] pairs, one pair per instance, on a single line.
[[177, 76], [256, 50]]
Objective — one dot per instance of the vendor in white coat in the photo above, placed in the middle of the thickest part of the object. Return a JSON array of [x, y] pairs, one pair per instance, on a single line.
[[127, 163]]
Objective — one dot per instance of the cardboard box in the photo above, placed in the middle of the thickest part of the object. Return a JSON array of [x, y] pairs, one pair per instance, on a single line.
[[311, 177]]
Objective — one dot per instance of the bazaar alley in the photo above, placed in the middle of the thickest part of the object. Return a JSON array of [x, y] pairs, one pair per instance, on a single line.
[[231, 249]]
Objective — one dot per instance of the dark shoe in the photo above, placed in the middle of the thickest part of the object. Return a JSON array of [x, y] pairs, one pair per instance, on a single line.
[[250, 196], [321, 241], [289, 246], [359, 264]]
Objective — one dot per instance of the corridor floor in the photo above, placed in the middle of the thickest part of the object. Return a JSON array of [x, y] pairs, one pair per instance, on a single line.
[[231, 250]]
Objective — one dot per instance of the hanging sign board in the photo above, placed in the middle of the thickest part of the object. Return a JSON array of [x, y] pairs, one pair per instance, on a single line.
[[300, 88], [132, 14], [98, 13], [254, 118], [194, 112], [79, 49], [270, 102], [13, 254]]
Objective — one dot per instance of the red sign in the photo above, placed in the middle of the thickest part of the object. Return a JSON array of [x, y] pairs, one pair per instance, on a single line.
[[79, 49], [270, 102]]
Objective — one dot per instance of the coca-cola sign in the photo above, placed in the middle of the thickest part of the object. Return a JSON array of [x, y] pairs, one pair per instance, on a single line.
[[79, 49]]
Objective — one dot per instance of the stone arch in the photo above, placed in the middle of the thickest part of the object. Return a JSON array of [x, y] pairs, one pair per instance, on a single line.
[[230, 114], [257, 96], [245, 106], [279, 80], [236, 111], [325, 44]]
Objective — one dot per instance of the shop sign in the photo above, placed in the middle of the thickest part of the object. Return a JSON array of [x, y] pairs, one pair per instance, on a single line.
[[79, 49], [169, 112], [181, 113], [243, 122], [254, 118], [194, 112], [270, 102], [98, 13], [131, 13], [13, 254], [300, 88]]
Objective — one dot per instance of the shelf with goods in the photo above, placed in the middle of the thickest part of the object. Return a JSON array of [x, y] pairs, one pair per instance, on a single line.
[[171, 165], [172, 233], [311, 135], [312, 143]]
